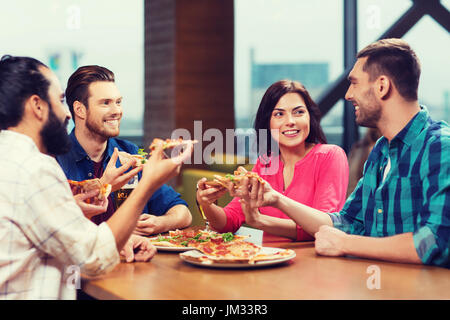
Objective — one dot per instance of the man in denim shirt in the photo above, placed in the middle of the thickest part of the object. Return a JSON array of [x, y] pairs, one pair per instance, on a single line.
[[96, 107]]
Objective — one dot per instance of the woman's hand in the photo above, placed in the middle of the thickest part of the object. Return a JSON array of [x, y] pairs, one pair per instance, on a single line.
[[255, 193], [207, 196]]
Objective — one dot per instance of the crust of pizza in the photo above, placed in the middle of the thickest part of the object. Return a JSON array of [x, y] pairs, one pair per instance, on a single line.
[[265, 257], [236, 178], [125, 157], [214, 184], [169, 143]]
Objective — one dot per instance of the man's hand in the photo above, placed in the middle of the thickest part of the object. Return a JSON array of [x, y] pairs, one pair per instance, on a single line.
[[157, 170], [330, 241], [116, 176], [147, 225], [138, 249], [90, 210], [255, 193], [252, 215]]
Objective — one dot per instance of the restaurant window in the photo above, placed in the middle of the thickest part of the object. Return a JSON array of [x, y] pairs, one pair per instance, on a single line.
[[68, 34], [374, 18], [434, 87], [428, 39], [292, 39]]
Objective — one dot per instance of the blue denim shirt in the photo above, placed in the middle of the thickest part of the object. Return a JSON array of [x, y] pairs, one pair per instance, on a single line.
[[77, 166]]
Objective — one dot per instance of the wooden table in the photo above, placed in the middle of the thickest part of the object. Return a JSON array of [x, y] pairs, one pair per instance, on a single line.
[[307, 276]]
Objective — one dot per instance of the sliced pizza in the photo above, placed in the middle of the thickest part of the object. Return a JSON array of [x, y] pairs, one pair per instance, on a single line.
[[232, 252], [191, 238], [239, 253], [86, 186], [239, 174], [169, 143], [272, 256], [125, 157], [214, 184]]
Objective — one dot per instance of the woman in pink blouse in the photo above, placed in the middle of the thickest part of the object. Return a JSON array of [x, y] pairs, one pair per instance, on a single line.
[[306, 169]]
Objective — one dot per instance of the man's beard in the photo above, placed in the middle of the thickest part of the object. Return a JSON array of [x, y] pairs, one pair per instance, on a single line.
[[96, 129], [370, 113], [54, 135]]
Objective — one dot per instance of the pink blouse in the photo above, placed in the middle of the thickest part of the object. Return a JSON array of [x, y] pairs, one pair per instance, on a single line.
[[320, 181]]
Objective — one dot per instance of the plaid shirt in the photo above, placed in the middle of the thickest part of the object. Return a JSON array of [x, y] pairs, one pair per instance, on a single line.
[[45, 240], [415, 195]]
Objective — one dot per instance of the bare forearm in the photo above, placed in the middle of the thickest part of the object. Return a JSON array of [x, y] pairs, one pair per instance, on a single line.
[[308, 218], [277, 226], [398, 248], [216, 216], [178, 216]]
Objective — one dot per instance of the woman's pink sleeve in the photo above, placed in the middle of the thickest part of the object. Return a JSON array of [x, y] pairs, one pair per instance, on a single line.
[[235, 216], [331, 181]]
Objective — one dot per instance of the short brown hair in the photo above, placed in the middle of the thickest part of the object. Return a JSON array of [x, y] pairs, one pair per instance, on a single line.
[[394, 58], [79, 81]]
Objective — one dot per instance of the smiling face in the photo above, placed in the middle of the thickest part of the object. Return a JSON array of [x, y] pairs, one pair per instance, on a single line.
[[290, 121], [361, 93], [105, 109]]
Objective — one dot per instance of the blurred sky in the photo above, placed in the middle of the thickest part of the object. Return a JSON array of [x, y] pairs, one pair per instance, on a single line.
[[111, 33], [311, 31]]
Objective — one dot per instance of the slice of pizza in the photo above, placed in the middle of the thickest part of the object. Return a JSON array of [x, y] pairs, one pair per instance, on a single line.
[[283, 253], [125, 157], [88, 185], [169, 143], [239, 174], [214, 184], [233, 252]]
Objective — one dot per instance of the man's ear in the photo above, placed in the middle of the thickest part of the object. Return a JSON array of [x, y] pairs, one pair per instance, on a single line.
[[37, 106], [79, 109], [384, 87]]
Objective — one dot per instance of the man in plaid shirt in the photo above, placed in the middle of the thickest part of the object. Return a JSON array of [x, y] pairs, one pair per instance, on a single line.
[[400, 209], [44, 234]]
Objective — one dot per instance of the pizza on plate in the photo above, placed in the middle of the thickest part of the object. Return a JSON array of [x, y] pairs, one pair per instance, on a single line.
[[192, 238], [232, 252], [237, 253]]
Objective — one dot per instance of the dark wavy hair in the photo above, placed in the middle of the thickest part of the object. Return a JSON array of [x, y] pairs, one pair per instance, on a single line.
[[78, 84], [268, 103], [394, 58], [20, 78]]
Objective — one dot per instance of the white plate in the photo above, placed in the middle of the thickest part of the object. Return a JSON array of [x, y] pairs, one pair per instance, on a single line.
[[173, 249], [237, 265]]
